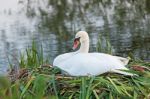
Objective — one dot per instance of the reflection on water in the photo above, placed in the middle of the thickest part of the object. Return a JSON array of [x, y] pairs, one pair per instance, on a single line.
[[53, 24]]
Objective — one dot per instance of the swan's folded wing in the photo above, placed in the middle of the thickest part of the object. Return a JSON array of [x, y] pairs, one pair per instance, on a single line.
[[112, 61], [83, 64]]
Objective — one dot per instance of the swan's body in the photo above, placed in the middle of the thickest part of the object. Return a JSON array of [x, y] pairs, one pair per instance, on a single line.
[[82, 63]]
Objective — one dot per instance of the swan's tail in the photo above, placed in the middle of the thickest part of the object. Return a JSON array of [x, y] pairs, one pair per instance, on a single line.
[[123, 72], [123, 60]]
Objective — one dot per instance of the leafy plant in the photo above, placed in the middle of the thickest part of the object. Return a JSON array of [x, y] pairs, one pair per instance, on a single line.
[[103, 45]]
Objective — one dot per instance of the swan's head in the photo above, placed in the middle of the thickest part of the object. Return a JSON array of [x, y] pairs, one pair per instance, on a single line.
[[80, 38]]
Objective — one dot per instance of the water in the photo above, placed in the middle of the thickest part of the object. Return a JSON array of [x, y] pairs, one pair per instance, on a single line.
[[53, 23]]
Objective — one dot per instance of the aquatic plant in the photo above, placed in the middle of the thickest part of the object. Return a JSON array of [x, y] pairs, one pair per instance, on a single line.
[[33, 57], [103, 45]]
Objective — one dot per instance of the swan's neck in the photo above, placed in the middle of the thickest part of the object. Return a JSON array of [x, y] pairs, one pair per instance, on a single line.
[[84, 48]]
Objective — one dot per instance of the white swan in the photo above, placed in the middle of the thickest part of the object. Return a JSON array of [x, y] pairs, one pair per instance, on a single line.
[[82, 63]]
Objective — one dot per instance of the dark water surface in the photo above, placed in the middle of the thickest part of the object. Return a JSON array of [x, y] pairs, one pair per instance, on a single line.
[[53, 23]]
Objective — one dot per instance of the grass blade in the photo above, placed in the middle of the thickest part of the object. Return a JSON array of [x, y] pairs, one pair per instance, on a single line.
[[27, 86], [96, 95], [114, 84]]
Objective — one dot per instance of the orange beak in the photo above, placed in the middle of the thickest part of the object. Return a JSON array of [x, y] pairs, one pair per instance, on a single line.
[[76, 43]]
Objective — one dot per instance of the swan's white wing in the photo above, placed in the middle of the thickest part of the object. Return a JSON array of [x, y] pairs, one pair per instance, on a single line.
[[88, 64], [83, 64], [113, 61], [117, 63]]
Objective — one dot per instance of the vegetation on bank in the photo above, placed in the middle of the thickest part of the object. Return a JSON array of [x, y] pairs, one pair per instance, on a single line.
[[37, 79]]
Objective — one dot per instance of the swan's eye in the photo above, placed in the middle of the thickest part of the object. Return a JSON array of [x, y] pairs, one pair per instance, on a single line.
[[77, 39]]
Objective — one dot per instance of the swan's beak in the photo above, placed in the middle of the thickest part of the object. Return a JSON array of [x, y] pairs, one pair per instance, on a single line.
[[76, 43]]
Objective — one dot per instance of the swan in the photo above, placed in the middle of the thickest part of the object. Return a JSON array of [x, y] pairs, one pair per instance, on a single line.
[[83, 63]]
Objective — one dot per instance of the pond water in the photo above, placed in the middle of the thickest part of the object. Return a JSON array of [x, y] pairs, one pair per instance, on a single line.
[[53, 24]]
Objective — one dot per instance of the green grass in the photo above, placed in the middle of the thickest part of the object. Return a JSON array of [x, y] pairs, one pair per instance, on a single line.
[[33, 57], [39, 80]]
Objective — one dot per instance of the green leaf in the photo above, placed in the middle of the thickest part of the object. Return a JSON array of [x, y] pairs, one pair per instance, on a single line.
[[27, 86]]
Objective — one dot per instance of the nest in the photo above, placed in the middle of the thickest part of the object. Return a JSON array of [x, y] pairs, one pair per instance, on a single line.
[[108, 84]]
